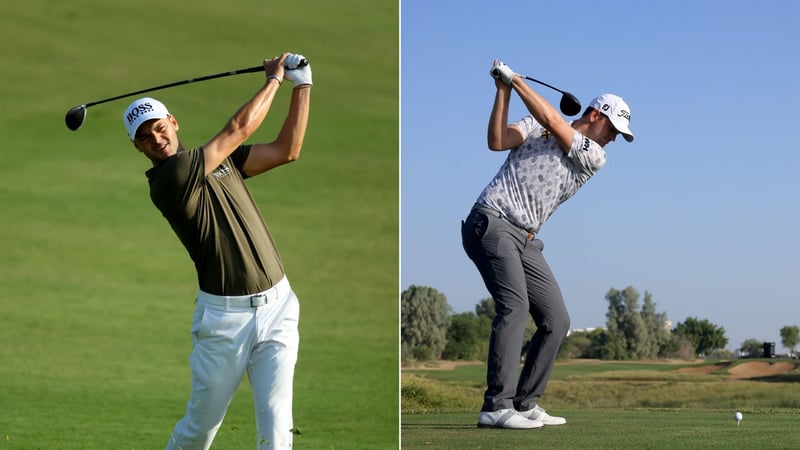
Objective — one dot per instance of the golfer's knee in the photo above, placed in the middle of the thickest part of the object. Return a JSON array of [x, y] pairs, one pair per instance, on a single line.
[[563, 327], [561, 323], [556, 326]]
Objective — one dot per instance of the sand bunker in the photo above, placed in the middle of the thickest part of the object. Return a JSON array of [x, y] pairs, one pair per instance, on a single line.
[[757, 369]]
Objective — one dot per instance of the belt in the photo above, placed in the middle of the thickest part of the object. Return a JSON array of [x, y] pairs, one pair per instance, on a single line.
[[247, 301], [493, 212]]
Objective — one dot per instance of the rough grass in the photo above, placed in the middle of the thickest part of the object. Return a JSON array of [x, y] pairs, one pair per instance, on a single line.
[[605, 385]]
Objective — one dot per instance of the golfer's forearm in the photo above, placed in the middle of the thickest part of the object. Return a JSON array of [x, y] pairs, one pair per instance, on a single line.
[[293, 131], [250, 116], [540, 109], [498, 120], [240, 127]]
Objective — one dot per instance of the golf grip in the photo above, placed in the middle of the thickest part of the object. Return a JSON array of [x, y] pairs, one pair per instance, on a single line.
[[303, 62], [496, 74]]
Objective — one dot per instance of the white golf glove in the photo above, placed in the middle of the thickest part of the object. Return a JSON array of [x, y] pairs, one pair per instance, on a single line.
[[298, 75], [502, 72]]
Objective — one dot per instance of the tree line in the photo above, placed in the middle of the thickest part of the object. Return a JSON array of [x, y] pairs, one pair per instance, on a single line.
[[634, 330]]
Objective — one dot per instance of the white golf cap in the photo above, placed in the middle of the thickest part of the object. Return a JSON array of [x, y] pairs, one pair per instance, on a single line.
[[615, 108], [140, 111]]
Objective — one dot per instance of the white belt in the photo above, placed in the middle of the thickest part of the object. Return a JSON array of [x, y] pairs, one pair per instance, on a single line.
[[247, 301]]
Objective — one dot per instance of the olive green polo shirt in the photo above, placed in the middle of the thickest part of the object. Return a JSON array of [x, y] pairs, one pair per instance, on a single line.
[[218, 222]]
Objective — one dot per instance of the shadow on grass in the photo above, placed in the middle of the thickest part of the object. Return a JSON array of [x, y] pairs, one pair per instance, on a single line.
[[438, 426], [780, 378]]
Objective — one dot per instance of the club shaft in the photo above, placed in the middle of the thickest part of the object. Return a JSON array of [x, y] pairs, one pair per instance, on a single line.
[[179, 83], [543, 83]]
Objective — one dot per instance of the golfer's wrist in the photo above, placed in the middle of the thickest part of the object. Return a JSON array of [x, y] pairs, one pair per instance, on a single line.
[[276, 78]]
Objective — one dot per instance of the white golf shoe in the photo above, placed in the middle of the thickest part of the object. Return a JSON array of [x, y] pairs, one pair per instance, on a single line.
[[540, 415], [507, 418]]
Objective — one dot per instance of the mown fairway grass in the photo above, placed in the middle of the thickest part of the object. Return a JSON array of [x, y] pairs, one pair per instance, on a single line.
[[612, 429], [96, 292], [610, 405]]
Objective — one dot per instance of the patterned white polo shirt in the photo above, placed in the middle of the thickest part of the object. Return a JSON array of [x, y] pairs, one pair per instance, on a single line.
[[538, 176]]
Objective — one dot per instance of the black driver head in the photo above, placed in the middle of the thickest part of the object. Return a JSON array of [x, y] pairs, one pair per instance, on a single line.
[[75, 117], [570, 105]]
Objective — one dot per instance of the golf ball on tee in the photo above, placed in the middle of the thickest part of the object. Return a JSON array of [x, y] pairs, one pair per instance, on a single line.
[[737, 416]]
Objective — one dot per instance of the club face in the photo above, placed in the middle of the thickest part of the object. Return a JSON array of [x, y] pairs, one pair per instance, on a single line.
[[570, 105], [75, 117]]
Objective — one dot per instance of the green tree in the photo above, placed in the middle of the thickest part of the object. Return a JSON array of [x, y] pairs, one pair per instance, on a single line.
[[790, 337], [424, 319], [467, 337], [656, 324], [630, 336], [576, 345], [752, 348], [485, 308], [704, 335], [678, 347], [614, 342], [604, 345]]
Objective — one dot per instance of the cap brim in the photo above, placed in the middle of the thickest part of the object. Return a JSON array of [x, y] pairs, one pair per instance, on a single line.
[[625, 131]]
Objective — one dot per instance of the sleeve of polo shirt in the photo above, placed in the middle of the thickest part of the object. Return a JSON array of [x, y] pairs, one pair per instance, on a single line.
[[528, 126], [239, 157], [587, 155]]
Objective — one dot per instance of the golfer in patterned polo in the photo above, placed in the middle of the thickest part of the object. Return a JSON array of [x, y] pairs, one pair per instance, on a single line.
[[548, 161]]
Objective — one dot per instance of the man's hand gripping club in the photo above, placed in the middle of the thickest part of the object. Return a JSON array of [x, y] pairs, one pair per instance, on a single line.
[[500, 71]]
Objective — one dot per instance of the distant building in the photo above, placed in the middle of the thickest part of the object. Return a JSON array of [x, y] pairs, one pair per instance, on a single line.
[[584, 330]]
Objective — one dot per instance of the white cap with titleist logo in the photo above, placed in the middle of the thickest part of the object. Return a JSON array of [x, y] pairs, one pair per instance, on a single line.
[[615, 108], [140, 111]]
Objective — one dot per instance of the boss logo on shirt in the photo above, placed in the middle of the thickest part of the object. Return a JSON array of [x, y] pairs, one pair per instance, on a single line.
[[221, 172], [144, 108]]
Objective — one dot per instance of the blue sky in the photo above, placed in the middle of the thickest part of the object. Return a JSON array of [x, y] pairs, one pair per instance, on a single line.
[[701, 210]]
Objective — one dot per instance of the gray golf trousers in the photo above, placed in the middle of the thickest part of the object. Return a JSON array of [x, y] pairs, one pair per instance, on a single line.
[[517, 276]]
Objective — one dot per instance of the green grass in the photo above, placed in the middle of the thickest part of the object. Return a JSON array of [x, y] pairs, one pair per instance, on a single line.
[[97, 292], [611, 405], [561, 371], [612, 429]]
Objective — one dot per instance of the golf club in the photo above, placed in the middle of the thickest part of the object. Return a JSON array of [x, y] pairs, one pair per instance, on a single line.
[[77, 115], [569, 104]]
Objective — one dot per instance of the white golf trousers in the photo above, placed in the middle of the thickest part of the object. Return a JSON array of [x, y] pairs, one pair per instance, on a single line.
[[231, 337]]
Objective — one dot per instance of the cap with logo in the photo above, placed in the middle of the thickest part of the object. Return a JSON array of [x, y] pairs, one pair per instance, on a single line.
[[140, 111], [615, 108]]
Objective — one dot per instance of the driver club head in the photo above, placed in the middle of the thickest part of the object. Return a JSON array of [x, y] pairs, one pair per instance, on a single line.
[[75, 117], [569, 105]]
